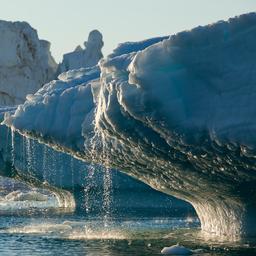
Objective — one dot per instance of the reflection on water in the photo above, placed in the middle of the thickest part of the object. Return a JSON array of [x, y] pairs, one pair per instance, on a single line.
[[75, 235]]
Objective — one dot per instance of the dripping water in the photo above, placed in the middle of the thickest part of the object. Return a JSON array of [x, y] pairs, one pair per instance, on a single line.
[[107, 195], [98, 143], [44, 167], [12, 160], [72, 173], [12, 152], [107, 184], [28, 162], [23, 153], [52, 162], [29, 155], [88, 187], [7, 139]]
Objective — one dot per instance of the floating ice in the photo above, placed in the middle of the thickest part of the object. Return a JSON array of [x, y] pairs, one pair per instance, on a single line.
[[176, 250]]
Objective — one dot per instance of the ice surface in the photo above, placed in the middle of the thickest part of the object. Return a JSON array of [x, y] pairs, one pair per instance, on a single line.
[[25, 62]]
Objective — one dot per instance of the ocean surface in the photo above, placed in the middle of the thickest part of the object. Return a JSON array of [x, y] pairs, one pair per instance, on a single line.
[[76, 234]]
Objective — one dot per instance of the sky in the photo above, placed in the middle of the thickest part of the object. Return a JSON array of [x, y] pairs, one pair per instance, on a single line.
[[67, 23]]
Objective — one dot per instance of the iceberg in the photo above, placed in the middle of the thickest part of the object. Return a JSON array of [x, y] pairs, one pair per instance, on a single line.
[[174, 112], [25, 62], [84, 58]]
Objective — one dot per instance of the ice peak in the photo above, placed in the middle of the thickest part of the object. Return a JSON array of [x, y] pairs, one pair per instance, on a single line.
[[83, 58]]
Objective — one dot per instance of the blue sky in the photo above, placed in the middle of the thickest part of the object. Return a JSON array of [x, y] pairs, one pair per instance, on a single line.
[[67, 23]]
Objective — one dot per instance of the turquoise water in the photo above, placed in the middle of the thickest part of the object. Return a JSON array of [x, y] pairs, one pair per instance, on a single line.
[[75, 234]]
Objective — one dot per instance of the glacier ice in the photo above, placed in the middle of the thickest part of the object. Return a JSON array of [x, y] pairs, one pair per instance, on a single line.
[[25, 62], [176, 113], [84, 58]]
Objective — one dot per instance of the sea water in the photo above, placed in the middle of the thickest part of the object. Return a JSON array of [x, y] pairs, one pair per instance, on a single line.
[[76, 234]]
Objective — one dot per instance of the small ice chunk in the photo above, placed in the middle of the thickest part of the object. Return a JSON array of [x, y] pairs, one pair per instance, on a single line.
[[176, 250]]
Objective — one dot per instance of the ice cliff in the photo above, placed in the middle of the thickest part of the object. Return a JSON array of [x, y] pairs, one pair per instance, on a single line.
[[25, 62], [177, 113], [83, 58]]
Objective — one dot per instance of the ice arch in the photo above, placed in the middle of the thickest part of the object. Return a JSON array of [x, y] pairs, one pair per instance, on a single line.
[[177, 113]]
